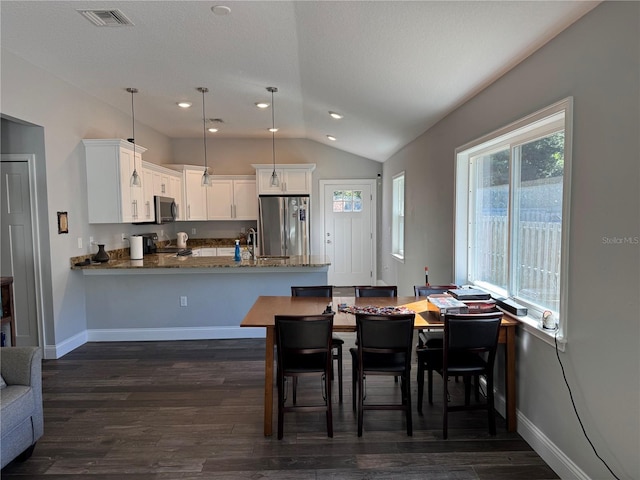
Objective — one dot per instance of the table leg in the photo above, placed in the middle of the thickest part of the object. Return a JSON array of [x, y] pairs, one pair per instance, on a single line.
[[510, 379], [268, 383]]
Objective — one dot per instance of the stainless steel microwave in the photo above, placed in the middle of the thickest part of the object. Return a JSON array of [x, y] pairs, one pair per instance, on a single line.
[[166, 209]]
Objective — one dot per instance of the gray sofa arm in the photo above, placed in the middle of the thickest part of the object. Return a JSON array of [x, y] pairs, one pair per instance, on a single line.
[[22, 366]]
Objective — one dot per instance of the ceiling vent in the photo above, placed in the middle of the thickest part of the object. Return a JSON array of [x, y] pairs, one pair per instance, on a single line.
[[106, 18]]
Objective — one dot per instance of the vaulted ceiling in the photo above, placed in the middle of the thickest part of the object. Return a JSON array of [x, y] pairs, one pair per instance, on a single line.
[[392, 68]]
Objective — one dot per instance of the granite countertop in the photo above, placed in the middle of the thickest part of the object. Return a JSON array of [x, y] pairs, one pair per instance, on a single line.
[[171, 260]]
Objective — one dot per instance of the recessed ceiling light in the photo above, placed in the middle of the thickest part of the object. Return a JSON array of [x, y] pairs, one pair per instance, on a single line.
[[221, 10], [332, 138], [213, 129], [335, 115], [184, 104], [262, 104], [273, 130]]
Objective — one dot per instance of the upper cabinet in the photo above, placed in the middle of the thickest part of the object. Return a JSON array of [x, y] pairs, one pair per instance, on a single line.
[[160, 181], [194, 195], [111, 199], [232, 198], [294, 179]]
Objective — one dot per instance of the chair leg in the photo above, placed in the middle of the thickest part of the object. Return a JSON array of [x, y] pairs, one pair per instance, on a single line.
[[294, 381], [445, 410], [360, 402], [327, 382], [430, 385], [280, 407], [354, 385], [476, 387], [407, 393], [420, 379], [339, 348], [490, 406]]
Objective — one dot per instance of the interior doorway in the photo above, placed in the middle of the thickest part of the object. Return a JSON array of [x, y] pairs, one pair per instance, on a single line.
[[18, 257], [349, 230]]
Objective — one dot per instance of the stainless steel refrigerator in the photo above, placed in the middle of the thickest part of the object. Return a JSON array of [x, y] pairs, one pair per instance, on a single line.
[[283, 225]]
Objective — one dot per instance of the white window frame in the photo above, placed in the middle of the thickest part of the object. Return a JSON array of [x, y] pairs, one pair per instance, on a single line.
[[522, 127], [398, 217]]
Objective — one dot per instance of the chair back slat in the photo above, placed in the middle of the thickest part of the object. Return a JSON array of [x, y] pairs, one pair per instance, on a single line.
[[478, 332], [324, 291], [304, 334], [377, 291], [426, 290]]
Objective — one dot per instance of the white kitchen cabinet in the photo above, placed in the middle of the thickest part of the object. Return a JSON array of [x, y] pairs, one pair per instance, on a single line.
[[175, 192], [110, 197], [194, 195], [160, 181], [232, 198], [148, 208], [294, 179]]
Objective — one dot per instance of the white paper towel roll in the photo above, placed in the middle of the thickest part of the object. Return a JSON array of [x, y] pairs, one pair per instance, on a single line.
[[135, 241]]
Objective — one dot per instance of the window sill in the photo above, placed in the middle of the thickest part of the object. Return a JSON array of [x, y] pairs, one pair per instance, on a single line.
[[399, 258], [531, 326]]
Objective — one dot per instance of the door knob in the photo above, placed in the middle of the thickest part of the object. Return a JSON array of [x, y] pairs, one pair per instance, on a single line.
[[328, 241]]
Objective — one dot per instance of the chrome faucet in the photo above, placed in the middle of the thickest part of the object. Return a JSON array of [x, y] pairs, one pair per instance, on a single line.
[[252, 243]]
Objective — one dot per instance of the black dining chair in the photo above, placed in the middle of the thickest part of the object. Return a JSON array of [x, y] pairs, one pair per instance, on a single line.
[[468, 350], [304, 348], [383, 348], [325, 291], [376, 291]]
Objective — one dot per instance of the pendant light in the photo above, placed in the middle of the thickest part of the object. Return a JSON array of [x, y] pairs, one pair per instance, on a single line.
[[275, 181], [135, 181], [206, 178]]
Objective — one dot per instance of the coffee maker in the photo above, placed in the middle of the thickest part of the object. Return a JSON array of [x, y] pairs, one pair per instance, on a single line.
[[149, 243]]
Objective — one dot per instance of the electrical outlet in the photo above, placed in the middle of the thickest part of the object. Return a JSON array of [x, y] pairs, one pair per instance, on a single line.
[[183, 301], [79, 242], [193, 231], [124, 237], [161, 233], [91, 241]]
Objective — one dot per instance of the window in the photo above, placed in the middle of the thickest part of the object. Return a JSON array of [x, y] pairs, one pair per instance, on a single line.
[[512, 212], [397, 221], [347, 201]]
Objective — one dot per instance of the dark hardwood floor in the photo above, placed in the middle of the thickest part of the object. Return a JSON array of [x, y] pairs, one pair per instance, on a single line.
[[193, 410]]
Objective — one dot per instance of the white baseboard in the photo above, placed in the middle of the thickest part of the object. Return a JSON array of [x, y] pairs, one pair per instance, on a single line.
[[58, 350], [541, 444], [564, 467], [159, 334], [149, 334]]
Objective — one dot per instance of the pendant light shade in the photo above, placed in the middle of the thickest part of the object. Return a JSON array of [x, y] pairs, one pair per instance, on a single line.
[[135, 181], [275, 181], [206, 178]]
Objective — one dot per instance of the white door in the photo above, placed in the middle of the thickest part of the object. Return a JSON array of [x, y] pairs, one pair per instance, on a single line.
[[349, 230], [16, 238]]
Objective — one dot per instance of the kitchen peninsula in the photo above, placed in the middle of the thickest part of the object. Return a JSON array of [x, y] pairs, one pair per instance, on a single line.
[[169, 297]]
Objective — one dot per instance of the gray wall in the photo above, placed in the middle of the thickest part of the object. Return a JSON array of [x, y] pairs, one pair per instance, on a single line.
[[68, 115], [597, 62]]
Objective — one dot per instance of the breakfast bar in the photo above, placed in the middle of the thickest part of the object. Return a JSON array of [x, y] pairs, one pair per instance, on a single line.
[[169, 297]]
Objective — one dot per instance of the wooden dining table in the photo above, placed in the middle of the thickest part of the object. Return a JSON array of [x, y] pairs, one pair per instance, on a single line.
[[263, 311]]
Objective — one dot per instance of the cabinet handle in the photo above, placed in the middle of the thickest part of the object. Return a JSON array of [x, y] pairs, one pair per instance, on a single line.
[[188, 212], [135, 209], [162, 188], [148, 209]]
